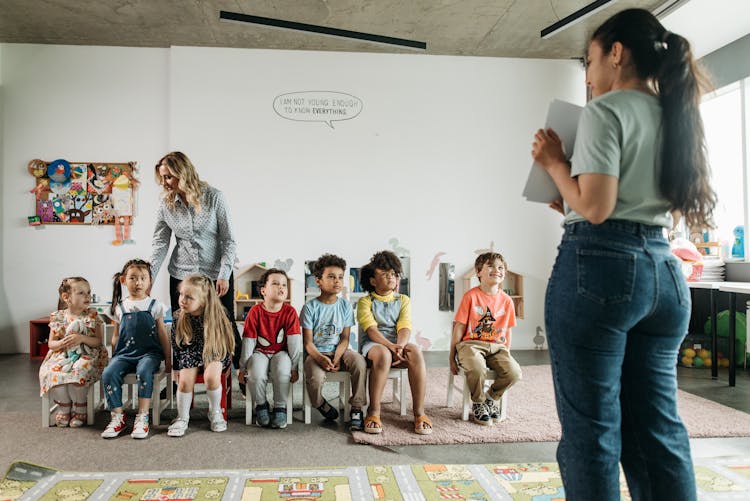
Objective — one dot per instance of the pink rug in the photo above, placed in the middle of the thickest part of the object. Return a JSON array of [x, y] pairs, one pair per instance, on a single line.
[[532, 416]]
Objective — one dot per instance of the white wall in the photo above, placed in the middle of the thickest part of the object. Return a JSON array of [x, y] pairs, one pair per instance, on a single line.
[[100, 104], [436, 159]]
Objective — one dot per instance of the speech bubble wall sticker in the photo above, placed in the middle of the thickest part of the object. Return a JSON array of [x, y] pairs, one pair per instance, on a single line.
[[317, 106]]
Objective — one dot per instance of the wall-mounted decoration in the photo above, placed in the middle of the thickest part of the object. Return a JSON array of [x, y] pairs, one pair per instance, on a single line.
[[433, 265], [317, 106], [85, 193]]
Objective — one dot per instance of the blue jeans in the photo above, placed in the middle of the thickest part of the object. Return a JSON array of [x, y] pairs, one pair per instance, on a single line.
[[616, 310], [144, 367]]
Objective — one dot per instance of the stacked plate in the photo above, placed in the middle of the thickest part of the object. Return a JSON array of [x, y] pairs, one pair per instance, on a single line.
[[713, 270]]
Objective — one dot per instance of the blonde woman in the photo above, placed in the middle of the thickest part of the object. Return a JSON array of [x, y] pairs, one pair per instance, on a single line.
[[198, 216], [201, 341]]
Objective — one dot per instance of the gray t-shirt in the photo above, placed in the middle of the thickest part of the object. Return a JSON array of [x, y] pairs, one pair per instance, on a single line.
[[619, 135]]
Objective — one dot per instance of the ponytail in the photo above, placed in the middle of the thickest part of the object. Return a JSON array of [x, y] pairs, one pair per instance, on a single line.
[[685, 171], [665, 59], [116, 292]]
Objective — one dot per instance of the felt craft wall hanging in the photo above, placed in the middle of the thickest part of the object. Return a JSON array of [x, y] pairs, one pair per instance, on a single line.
[[85, 193]]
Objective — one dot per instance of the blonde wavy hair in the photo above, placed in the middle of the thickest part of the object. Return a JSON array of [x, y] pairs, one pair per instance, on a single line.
[[189, 183], [218, 340]]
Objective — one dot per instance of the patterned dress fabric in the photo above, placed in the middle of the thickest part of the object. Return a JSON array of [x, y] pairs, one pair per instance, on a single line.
[[64, 367]]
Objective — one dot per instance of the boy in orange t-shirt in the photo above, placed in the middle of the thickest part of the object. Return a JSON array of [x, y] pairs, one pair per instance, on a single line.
[[481, 338]]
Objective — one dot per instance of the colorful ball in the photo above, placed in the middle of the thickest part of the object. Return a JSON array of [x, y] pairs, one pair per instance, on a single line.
[[698, 362]]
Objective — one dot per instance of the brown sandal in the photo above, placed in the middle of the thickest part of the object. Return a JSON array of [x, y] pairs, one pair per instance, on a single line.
[[62, 419], [79, 418], [422, 425], [373, 425]]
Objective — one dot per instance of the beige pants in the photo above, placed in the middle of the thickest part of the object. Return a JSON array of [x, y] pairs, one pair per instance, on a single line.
[[475, 357], [351, 362]]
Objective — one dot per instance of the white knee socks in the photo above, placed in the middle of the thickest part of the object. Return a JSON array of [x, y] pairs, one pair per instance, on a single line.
[[79, 394], [214, 399], [60, 394], [183, 405]]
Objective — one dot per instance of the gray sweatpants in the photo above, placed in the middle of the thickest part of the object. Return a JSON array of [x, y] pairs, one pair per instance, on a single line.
[[279, 367]]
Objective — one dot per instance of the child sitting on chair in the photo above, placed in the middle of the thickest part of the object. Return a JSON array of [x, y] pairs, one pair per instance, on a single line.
[[271, 343], [139, 345], [326, 321], [481, 338], [202, 340], [72, 327], [384, 318]]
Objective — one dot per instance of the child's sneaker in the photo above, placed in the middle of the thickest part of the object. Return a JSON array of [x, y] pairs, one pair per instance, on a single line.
[[140, 426], [178, 428], [328, 411], [480, 415], [279, 418], [262, 416], [115, 426], [357, 420], [218, 423], [493, 409]]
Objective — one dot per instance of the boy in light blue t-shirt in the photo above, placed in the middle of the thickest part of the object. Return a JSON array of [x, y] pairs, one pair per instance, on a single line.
[[326, 322]]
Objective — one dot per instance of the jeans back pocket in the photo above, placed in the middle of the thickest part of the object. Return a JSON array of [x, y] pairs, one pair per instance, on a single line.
[[605, 276]]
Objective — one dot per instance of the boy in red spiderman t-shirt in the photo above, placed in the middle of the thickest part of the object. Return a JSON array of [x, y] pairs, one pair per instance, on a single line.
[[271, 344]]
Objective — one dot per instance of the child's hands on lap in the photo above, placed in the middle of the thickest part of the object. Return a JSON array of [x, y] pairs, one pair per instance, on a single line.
[[295, 376], [454, 367], [324, 362]]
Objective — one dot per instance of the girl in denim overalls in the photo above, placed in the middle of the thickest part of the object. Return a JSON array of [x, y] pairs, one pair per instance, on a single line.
[[384, 318], [139, 345]]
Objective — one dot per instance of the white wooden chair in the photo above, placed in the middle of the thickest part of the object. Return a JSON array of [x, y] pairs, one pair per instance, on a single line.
[[344, 379], [399, 378], [48, 418], [157, 404], [489, 376]]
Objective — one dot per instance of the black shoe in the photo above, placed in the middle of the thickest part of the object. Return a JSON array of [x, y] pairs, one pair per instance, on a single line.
[[328, 411], [357, 420], [480, 414]]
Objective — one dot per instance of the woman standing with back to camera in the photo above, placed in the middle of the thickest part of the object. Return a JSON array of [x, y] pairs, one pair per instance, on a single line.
[[198, 216], [617, 305]]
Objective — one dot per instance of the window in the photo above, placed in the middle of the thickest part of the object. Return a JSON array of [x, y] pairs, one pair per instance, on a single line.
[[722, 113]]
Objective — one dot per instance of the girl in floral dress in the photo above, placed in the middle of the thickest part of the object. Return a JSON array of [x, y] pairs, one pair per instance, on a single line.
[[76, 356]]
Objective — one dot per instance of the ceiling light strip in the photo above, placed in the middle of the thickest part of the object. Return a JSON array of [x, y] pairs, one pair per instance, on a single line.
[[323, 30], [575, 17]]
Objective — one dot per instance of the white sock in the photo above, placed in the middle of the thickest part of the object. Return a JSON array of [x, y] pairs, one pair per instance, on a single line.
[[183, 405], [59, 393], [78, 394], [214, 399]]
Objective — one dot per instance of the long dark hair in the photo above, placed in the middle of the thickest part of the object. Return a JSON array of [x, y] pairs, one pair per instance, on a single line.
[[117, 286], [665, 59]]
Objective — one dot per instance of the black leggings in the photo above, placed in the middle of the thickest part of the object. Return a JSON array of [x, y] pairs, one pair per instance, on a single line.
[[227, 300]]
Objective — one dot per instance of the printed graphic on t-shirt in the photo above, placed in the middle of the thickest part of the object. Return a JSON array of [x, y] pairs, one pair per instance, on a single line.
[[485, 329], [265, 342], [327, 335]]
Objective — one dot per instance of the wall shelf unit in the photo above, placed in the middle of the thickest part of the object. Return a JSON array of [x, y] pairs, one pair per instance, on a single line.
[[512, 285], [38, 338], [247, 289]]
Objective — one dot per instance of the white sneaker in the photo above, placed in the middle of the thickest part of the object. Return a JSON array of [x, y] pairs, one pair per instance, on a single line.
[[140, 427], [178, 428], [115, 426], [218, 423]]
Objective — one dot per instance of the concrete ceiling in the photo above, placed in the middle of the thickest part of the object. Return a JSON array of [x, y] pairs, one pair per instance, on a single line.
[[492, 28]]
